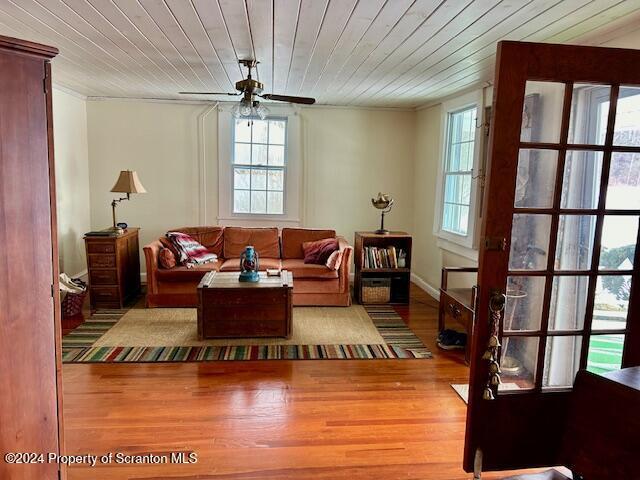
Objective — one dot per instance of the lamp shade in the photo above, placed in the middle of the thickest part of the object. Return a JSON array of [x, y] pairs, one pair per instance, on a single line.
[[128, 182]]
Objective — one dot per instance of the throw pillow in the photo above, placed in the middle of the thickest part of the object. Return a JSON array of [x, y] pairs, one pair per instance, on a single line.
[[191, 251], [166, 243], [166, 258], [318, 252], [334, 260]]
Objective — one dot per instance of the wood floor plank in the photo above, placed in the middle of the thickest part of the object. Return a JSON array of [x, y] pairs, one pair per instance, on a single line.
[[302, 420]]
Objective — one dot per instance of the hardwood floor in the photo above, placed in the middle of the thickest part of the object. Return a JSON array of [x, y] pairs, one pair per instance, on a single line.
[[328, 419]]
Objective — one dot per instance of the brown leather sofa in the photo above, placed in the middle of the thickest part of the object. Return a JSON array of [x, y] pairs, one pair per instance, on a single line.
[[313, 284]]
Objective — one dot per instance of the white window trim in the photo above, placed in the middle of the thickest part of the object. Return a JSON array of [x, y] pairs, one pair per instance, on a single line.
[[293, 176], [464, 245]]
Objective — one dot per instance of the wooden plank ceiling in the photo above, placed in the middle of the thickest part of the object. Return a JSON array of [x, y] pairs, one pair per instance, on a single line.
[[391, 53]]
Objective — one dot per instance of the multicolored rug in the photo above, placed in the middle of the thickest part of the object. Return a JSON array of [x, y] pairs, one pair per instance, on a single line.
[[400, 343]]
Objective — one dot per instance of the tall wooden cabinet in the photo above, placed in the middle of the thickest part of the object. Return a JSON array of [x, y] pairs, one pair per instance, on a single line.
[[30, 367]]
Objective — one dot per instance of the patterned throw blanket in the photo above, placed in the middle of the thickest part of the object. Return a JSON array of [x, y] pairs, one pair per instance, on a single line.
[[191, 252]]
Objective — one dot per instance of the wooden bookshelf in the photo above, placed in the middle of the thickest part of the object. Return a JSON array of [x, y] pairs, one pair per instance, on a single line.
[[400, 278]]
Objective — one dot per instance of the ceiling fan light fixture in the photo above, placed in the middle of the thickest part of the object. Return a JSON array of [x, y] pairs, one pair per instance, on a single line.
[[261, 110]]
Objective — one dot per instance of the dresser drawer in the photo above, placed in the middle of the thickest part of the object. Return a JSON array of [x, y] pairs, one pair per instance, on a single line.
[[95, 247], [102, 261], [104, 277], [457, 311], [105, 294]]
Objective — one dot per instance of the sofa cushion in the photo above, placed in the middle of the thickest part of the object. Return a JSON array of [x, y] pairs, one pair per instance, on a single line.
[[233, 264], [308, 270], [210, 237], [185, 274], [293, 238], [318, 252], [264, 240]]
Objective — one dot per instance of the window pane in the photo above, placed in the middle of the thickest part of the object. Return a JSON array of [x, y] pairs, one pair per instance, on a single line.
[[259, 131], [258, 180], [561, 361], [276, 155], [275, 202], [619, 235], [568, 303], [276, 132], [611, 304], [627, 126], [259, 154], [581, 180], [529, 242], [241, 178], [589, 114], [454, 158], [523, 308], [242, 154], [455, 218], [258, 202], [241, 201], [466, 157], [243, 131], [536, 178], [518, 360], [575, 242], [275, 180], [623, 191], [605, 353], [457, 189], [542, 112], [468, 124]]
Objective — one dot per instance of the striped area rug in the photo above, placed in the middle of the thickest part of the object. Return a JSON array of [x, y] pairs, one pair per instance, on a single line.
[[400, 342]]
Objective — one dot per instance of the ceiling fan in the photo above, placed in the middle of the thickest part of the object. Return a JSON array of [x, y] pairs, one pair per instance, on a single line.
[[249, 88]]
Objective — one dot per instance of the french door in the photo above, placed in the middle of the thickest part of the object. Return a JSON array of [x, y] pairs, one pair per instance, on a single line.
[[559, 276]]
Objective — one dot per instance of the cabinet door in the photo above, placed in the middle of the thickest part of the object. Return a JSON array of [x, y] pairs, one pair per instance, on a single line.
[[559, 272], [28, 366]]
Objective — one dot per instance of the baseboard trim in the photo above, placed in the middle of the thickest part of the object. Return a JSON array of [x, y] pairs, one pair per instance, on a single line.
[[427, 287]]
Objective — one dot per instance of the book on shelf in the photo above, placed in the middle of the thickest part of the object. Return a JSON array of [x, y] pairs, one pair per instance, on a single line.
[[381, 257]]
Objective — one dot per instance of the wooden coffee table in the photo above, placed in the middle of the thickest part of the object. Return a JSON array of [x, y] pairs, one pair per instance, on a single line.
[[229, 308]]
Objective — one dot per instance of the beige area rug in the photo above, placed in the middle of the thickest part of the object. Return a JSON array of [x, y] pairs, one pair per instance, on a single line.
[[462, 389], [173, 327]]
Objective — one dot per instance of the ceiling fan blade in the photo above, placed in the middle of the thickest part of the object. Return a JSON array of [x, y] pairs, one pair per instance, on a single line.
[[287, 98], [210, 93]]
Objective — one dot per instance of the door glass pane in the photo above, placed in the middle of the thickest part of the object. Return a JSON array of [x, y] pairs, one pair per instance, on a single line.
[[518, 360], [575, 242], [529, 242], [605, 353], [581, 179], [619, 235], [627, 126], [611, 304], [542, 112], [568, 303], [623, 191], [523, 308], [561, 361], [536, 178], [589, 114]]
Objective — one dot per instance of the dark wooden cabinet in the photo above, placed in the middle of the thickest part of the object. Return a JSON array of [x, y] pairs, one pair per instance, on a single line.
[[398, 278], [30, 366], [114, 269]]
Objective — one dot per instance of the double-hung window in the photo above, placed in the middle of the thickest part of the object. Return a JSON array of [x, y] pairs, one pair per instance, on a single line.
[[259, 166], [456, 204], [458, 170]]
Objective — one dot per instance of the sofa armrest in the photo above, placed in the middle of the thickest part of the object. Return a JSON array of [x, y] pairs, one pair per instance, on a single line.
[[345, 264], [151, 253]]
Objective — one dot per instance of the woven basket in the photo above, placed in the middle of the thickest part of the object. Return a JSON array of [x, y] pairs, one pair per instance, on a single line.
[[376, 290], [73, 302]]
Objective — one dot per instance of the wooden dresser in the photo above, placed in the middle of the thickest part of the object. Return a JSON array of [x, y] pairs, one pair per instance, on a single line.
[[114, 269]]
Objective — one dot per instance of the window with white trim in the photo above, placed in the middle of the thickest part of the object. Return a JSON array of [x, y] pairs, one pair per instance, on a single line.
[[458, 170], [456, 211], [259, 166]]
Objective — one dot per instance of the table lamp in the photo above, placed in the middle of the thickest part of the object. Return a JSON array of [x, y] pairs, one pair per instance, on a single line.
[[384, 202], [128, 182]]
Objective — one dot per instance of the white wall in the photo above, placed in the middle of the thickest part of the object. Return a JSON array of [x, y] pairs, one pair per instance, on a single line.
[[349, 155], [72, 179]]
